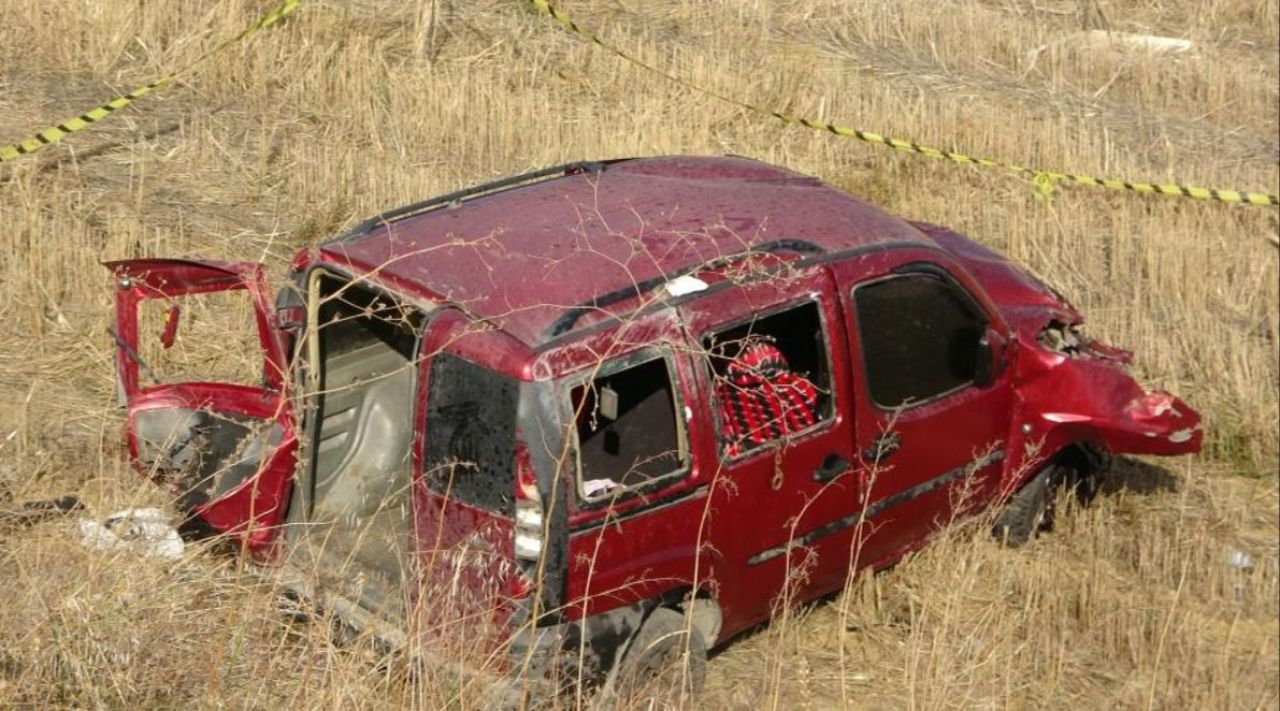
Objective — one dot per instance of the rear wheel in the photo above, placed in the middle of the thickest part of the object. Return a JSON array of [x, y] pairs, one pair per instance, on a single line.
[[665, 662]]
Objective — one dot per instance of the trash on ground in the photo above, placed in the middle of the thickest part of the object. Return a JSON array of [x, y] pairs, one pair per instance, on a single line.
[[146, 532], [1102, 40], [1239, 560]]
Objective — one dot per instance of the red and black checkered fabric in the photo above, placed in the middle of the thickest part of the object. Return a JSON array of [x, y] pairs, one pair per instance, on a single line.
[[761, 400]]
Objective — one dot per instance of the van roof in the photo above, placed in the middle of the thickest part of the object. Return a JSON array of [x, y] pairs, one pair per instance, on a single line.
[[524, 252]]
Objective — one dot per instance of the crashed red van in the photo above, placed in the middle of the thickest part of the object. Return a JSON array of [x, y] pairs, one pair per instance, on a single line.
[[604, 412]]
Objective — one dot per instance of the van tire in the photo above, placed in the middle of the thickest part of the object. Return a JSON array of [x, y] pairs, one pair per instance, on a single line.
[[666, 661], [1029, 511]]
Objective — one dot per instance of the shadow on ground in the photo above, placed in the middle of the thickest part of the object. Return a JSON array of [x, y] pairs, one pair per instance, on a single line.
[[1137, 477]]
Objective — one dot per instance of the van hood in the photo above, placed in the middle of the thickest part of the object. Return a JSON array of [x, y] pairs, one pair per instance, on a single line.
[[1026, 302]]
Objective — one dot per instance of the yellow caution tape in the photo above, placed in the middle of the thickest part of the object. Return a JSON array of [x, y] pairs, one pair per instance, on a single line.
[[54, 134], [1042, 180]]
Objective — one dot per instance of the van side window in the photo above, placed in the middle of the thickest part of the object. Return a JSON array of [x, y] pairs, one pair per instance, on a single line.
[[919, 338], [471, 434], [772, 377], [627, 427]]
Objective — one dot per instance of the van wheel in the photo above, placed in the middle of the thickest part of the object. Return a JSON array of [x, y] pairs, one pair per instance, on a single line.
[[665, 662], [1030, 511]]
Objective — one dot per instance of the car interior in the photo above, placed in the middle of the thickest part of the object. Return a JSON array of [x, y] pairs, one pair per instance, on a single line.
[[351, 506], [795, 331], [626, 426]]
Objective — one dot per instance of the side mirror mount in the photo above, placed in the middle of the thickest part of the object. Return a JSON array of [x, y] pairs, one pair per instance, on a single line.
[[990, 357], [290, 314]]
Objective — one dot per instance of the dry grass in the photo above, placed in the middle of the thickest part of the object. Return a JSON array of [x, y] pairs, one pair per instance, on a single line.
[[358, 106]]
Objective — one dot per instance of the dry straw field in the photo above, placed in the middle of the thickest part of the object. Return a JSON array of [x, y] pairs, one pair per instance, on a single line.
[[355, 106]]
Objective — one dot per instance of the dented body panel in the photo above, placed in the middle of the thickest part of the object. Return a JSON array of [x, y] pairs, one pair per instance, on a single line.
[[1072, 389], [578, 297], [225, 450]]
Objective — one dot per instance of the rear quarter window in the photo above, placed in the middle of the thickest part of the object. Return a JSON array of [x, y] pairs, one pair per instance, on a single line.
[[627, 428]]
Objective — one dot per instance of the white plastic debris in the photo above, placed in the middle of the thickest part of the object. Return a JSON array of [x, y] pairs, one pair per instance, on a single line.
[[591, 487], [686, 284], [146, 532], [1150, 43], [1103, 40], [1239, 560]]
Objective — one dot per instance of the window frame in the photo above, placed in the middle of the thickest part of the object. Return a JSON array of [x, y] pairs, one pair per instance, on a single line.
[[914, 270], [167, 367], [568, 413], [722, 451]]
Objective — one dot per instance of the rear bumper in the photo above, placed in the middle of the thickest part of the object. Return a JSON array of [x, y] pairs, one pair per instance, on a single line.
[[539, 660], [490, 689]]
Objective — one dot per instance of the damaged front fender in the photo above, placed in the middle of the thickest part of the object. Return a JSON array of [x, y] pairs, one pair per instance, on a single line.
[[1075, 389]]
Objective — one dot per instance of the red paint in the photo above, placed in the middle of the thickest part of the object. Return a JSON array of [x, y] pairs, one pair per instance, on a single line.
[[466, 552], [519, 258], [943, 435], [509, 264]]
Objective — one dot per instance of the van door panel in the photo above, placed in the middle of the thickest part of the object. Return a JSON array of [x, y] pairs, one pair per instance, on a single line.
[[641, 544], [779, 514], [226, 450], [944, 454]]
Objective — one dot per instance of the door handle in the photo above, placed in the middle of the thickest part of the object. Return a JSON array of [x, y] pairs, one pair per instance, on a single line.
[[882, 447], [833, 465]]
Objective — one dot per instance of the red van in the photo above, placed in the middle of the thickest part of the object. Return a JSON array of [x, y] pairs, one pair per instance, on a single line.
[[610, 414]]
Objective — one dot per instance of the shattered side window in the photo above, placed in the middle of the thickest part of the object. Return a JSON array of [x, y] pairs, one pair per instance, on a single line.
[[919, 338], [470, 442], [627, 429], [772, 378], [210, 337]]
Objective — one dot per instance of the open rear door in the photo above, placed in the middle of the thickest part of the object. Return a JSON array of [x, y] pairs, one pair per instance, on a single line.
[[202, 372]]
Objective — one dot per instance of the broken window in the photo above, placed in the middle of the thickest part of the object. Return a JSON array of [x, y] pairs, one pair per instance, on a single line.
[[471, 440], [919, 338], [627, 428], [772, 377], [205, 337], [201, 452]]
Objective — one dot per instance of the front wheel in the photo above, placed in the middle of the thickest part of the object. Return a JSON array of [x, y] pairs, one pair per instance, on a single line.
[[1029, 511]]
